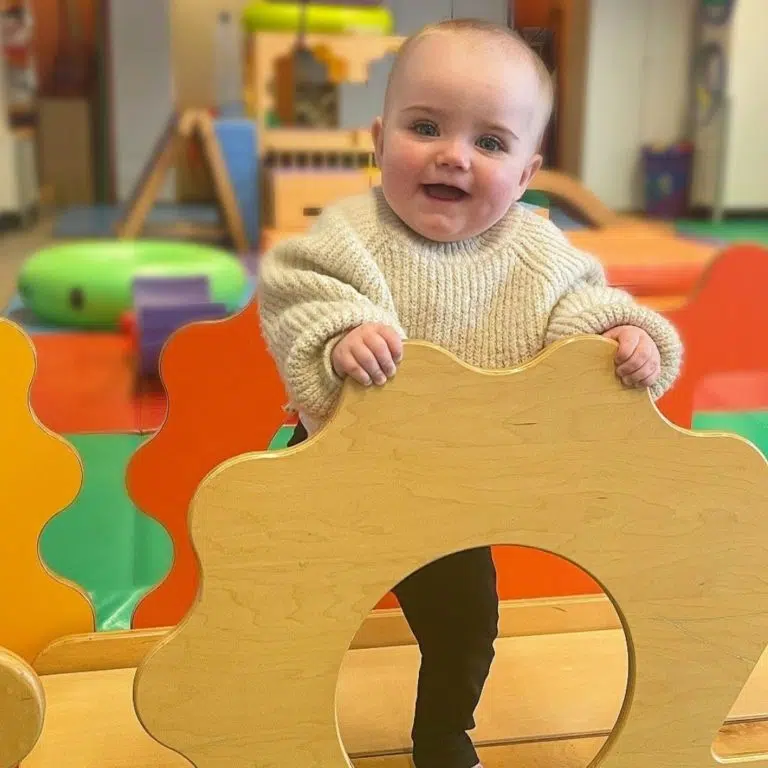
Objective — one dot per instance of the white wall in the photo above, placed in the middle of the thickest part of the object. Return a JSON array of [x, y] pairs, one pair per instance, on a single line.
[[746, 178], [8, 184], [359, 104], [636, 90], [410, 15], [142, 86]]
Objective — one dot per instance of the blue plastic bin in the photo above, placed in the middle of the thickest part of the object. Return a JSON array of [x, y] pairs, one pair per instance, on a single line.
[[667, 173]]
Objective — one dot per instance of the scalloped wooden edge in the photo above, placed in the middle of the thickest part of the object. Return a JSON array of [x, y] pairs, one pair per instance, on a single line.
[[152, 609], [164, 711], [22, 709], [27, 349]]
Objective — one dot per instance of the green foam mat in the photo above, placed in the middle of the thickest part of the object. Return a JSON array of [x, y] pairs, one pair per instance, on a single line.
[[751, 425], [744, 230], [102, 542], [281, 438]]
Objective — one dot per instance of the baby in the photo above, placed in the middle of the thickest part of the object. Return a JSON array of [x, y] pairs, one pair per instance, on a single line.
[[443, 252]]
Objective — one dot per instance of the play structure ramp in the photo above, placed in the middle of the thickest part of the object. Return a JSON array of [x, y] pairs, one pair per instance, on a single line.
[[579, 200]]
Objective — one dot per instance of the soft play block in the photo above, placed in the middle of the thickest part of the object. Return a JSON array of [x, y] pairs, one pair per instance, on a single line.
[[733, 391], [645, 260], [239, 146], [85, 383], [102, 542]]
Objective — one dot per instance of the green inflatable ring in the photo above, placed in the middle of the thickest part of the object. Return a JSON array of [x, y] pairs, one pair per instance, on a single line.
[[330, 19], [89, 284]]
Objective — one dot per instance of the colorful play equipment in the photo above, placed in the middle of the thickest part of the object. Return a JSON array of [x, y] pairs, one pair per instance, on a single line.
[[225, 398], [282, 625], [524, 573], [212, 419], [262, 15], [89, 284], [40, 475], [646, 258], [223, 151], [162, 306], [722, 327]]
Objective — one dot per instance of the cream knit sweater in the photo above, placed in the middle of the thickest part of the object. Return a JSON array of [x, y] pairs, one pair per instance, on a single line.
[[494, 300]]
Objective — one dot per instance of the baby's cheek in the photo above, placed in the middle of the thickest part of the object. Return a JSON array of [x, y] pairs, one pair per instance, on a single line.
[[502, 186], [410, 159]]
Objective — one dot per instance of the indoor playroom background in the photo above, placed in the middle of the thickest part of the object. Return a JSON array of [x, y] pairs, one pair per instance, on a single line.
[[151, 150]]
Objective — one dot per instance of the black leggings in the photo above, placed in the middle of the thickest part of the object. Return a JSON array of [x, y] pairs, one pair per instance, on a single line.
[[452, 607]]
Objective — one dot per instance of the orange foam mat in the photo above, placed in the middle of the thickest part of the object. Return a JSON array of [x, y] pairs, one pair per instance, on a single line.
[[85, 383]]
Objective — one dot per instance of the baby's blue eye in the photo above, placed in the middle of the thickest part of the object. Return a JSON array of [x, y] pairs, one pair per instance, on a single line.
[[490, 144], [425, 129]]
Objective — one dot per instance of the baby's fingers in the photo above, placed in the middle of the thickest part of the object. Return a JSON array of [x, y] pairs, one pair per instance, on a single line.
[[628, 346], [379, 348], [348, 365], [634, 363], [645, 376], [394, 342], [367, 360]]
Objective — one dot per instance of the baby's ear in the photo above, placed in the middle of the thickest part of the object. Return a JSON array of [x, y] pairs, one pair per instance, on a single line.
[[377, 134], [530, 170]]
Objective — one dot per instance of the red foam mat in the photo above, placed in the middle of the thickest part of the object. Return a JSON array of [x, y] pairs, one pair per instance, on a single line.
[[85, 383]]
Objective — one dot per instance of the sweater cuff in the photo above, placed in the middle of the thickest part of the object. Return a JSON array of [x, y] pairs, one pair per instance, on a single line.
[[599, 318], [315, 384]]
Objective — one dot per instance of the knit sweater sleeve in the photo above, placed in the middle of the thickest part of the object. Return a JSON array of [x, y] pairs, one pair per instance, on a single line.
[[312, 290], [587, 305]]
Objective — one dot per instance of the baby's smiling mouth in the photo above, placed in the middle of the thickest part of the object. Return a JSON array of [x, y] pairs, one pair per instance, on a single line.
[[444, 192]]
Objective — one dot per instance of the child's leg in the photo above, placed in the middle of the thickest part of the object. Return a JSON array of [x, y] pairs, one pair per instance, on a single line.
[[299, 435], [452, 607]]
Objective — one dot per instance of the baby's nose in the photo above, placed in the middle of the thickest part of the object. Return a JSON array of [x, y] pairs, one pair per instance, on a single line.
[[455, 154]]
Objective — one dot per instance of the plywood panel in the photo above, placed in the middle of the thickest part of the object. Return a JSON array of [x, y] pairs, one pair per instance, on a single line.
[[557, 455]]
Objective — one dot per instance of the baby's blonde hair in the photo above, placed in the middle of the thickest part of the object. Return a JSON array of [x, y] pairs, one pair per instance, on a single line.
[[502, 34]]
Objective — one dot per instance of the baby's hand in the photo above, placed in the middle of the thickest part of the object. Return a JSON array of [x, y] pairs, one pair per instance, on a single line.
[[368, 353], [638, 362]]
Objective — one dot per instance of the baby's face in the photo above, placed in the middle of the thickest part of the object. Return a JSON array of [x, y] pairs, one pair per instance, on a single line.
[[457, 145]]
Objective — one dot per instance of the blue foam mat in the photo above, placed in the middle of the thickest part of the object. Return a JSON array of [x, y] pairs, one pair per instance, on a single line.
[[97, 221]]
